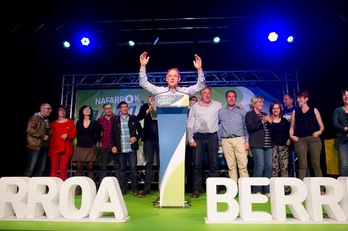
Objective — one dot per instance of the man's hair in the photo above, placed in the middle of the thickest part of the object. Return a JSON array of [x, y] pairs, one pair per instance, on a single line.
[[121, 103], [105, 104], [229, 92], [193, 97], [289, 96]]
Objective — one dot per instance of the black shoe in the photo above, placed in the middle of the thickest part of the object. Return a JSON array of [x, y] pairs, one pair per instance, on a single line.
[[156, 201], [145, 193], [195, 194]]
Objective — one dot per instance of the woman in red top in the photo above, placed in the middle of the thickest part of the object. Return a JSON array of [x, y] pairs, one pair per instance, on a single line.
[[61, 144]]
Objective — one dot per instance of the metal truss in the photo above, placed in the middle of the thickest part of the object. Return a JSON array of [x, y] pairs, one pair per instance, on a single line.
[[286, 79]]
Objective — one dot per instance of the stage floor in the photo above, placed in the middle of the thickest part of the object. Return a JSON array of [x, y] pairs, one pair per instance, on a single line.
[[144, 216]]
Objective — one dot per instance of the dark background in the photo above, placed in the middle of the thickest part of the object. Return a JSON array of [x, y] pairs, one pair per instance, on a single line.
[[35, 60]]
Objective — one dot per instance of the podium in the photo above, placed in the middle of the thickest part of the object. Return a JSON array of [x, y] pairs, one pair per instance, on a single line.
[[172, 118]]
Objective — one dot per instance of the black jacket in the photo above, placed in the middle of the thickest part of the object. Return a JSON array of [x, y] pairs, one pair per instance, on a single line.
[[150, 125]]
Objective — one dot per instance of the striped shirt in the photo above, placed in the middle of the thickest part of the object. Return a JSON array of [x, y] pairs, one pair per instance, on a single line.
[[125, 135]]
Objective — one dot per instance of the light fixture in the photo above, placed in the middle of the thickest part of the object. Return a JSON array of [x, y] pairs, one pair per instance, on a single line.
[[216, 40], [66, 44], [131, 43], [85, 41], [273, 36], [290, 39]]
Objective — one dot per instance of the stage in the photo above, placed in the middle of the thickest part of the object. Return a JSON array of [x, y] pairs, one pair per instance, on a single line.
[[144, 216]]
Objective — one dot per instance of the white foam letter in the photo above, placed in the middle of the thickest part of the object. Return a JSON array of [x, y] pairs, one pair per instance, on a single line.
[[293, 200], [13, 201], [246, 199], [213, 199], [109, 188], [67, 197], [330, 201], [40, 202]]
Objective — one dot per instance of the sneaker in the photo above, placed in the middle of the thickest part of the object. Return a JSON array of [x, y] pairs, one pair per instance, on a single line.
[[145, 193], [268, 195], [135, 193]]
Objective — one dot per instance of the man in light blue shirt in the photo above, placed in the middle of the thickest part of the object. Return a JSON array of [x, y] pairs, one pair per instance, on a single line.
[[172, 78], [202, 127], [234, 137]]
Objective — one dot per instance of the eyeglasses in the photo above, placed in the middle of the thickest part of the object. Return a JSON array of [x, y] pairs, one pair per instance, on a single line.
[[107, 108], [48, 108]]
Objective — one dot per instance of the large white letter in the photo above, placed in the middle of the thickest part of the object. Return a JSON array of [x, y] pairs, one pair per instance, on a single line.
[[67, 197], [40, 202], [294, 200], [213, 199], [109, 189], [330, 201], [246, 199], [13, 199]]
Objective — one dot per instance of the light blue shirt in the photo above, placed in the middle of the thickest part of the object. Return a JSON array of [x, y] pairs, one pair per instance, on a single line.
[[191, 90], [232, 122], [203, 119]]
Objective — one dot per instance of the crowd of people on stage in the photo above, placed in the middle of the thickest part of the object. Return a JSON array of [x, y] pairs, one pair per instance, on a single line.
[[270, 137]]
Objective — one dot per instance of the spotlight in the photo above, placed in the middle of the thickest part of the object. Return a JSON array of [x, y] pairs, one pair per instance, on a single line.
[[131, 43], [216, 40], [85, 41], [290, 39], [273, 36], [66, 44]]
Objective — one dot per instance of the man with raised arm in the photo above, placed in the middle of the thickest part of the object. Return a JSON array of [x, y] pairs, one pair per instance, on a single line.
[[172, 78]]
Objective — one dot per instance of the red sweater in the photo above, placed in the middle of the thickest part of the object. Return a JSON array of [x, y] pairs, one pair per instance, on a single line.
[[57, 145]]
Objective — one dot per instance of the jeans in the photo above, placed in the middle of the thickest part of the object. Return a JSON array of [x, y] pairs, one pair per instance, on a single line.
[[262, 159], [36, 162], [343, 156], [105, 158], [131, 158], [151, 148]]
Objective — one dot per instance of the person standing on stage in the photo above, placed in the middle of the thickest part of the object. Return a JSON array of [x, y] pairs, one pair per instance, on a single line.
[[234, 137], [189, 153], [38, 136], [147, 113], [260, 141], [202, 127], [62, 143], [172, 78], [87, 135], [340, 122], [280, 137], [305, 130], [124, 139], [105, 122], [288, 102]]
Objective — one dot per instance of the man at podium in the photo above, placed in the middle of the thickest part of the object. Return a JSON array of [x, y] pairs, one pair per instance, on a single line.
[[172, 78], [171, 106]]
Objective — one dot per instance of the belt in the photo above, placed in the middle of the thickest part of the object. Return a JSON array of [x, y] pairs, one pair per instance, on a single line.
[[206, 133], [230, 136]]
